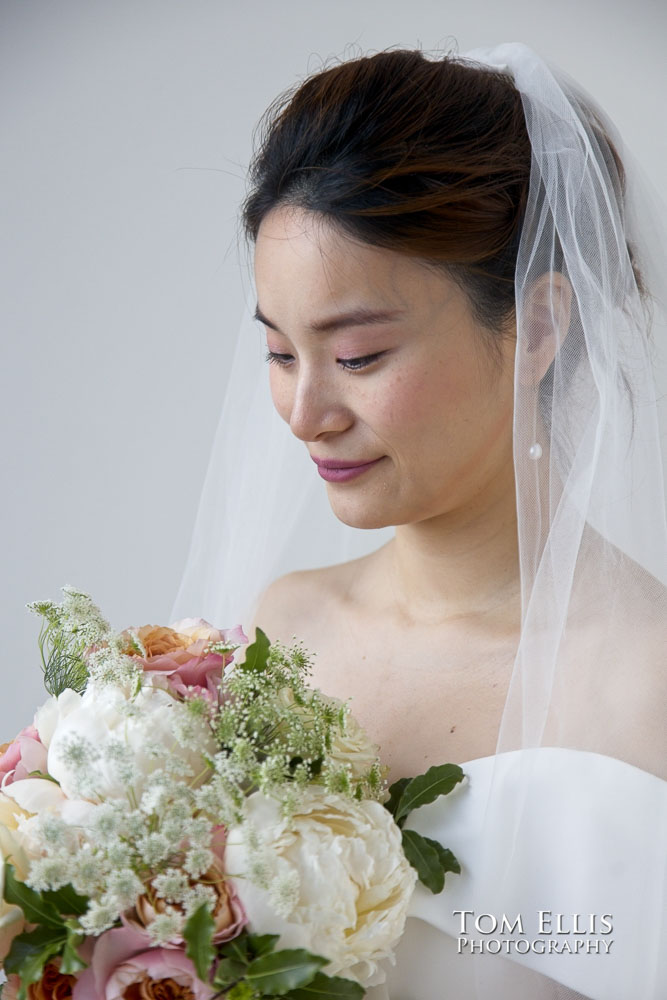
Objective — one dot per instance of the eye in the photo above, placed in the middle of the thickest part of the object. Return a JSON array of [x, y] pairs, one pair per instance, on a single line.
[[349, 364]]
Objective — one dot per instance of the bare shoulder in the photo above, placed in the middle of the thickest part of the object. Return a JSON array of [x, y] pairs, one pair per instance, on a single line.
[[307, 602], [292, 599]]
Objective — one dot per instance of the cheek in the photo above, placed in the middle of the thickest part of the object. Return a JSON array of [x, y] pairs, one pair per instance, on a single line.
[[451, 407], [280, 392], [424, 400]]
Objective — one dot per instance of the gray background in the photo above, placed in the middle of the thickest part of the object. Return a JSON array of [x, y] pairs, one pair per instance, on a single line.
[[126, 128]]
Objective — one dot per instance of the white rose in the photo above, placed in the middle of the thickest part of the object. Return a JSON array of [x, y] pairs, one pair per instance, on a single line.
[[11, 917], [353, 746], [354, 882]]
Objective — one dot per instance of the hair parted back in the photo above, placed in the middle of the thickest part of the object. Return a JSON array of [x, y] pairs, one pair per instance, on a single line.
[[427, 157]]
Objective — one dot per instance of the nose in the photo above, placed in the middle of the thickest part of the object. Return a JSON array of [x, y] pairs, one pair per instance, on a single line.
[[317, 408]]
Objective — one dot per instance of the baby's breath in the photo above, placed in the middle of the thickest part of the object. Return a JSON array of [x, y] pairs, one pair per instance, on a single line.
[[284, 892], [153, 848], [106, 823], [166, 926], [196, 895], [49, 873], [171, 885], [259, 871], [199, 832], [123, 761], [119, 855], [54, 832], [98, 918], [110, 665], [197, 861], [276, 733], [88, 872], [123, 887]]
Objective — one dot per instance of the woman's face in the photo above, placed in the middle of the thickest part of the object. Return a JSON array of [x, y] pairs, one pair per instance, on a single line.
[[379, 365]]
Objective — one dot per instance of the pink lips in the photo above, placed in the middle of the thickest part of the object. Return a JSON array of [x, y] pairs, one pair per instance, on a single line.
[[335, 471]]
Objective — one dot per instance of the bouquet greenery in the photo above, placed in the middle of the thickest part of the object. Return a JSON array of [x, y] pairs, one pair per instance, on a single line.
[[181, 821]]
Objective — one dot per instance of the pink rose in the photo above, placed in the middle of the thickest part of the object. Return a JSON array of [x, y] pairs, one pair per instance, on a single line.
[[24, 754], [176, 652], [124, 965]]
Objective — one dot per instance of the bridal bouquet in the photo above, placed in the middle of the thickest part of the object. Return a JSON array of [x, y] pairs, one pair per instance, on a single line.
[[181, 822]]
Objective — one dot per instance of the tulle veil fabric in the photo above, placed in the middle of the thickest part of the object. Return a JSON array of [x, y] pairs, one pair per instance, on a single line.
[[589, 672]]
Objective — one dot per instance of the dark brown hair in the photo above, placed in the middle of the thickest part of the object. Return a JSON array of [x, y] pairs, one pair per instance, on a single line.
[[427, 157]]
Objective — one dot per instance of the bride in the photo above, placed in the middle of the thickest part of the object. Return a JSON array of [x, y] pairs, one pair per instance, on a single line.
[[453, 268]]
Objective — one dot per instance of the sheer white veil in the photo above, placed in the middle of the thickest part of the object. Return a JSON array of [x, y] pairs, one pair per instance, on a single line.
[[589, 673]]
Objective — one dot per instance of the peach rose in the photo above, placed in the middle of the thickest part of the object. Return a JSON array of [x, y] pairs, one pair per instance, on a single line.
[[228, 915], [177, 652]]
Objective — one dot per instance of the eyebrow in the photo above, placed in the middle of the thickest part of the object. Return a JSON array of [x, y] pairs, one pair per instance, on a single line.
[[356, 317]]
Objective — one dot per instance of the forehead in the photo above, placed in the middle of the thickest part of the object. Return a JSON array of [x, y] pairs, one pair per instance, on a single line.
[[300, 253]]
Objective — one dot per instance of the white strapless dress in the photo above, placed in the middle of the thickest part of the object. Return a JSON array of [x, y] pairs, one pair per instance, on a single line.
[[585, 845]]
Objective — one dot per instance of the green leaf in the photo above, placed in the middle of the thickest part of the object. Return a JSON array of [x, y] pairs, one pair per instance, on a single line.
[[424, 858], [29, 954], [238, 949], [67, 901], [36, 909], [241, 991], [262, 944], [44, 775], [315, 767], [325, 987], [235, 956], [447, 860], [229, 970], [198, 934], [395, 792], [425, 788], [71, 963], [283, 970], [257, 653]]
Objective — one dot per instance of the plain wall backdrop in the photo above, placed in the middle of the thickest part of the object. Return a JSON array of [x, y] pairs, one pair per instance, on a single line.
[[126, 129]]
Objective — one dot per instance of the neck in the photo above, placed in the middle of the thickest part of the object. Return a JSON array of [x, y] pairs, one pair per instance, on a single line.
[[463, 563]]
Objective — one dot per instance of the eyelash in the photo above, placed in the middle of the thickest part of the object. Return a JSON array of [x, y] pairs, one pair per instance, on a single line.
[[368, 359]]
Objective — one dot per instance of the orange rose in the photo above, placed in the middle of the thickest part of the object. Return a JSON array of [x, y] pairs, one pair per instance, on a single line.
[[53, 985], [161, 989], [160, 639]]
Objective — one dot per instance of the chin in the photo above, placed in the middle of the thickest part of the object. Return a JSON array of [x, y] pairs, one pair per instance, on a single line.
[[362, 515]]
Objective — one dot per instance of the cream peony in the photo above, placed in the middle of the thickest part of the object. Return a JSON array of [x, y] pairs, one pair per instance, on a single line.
[[11, 917], [344, 862], [103, 741]]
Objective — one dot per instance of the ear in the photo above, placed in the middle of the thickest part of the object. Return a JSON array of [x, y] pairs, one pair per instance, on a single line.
[[546, 322]]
